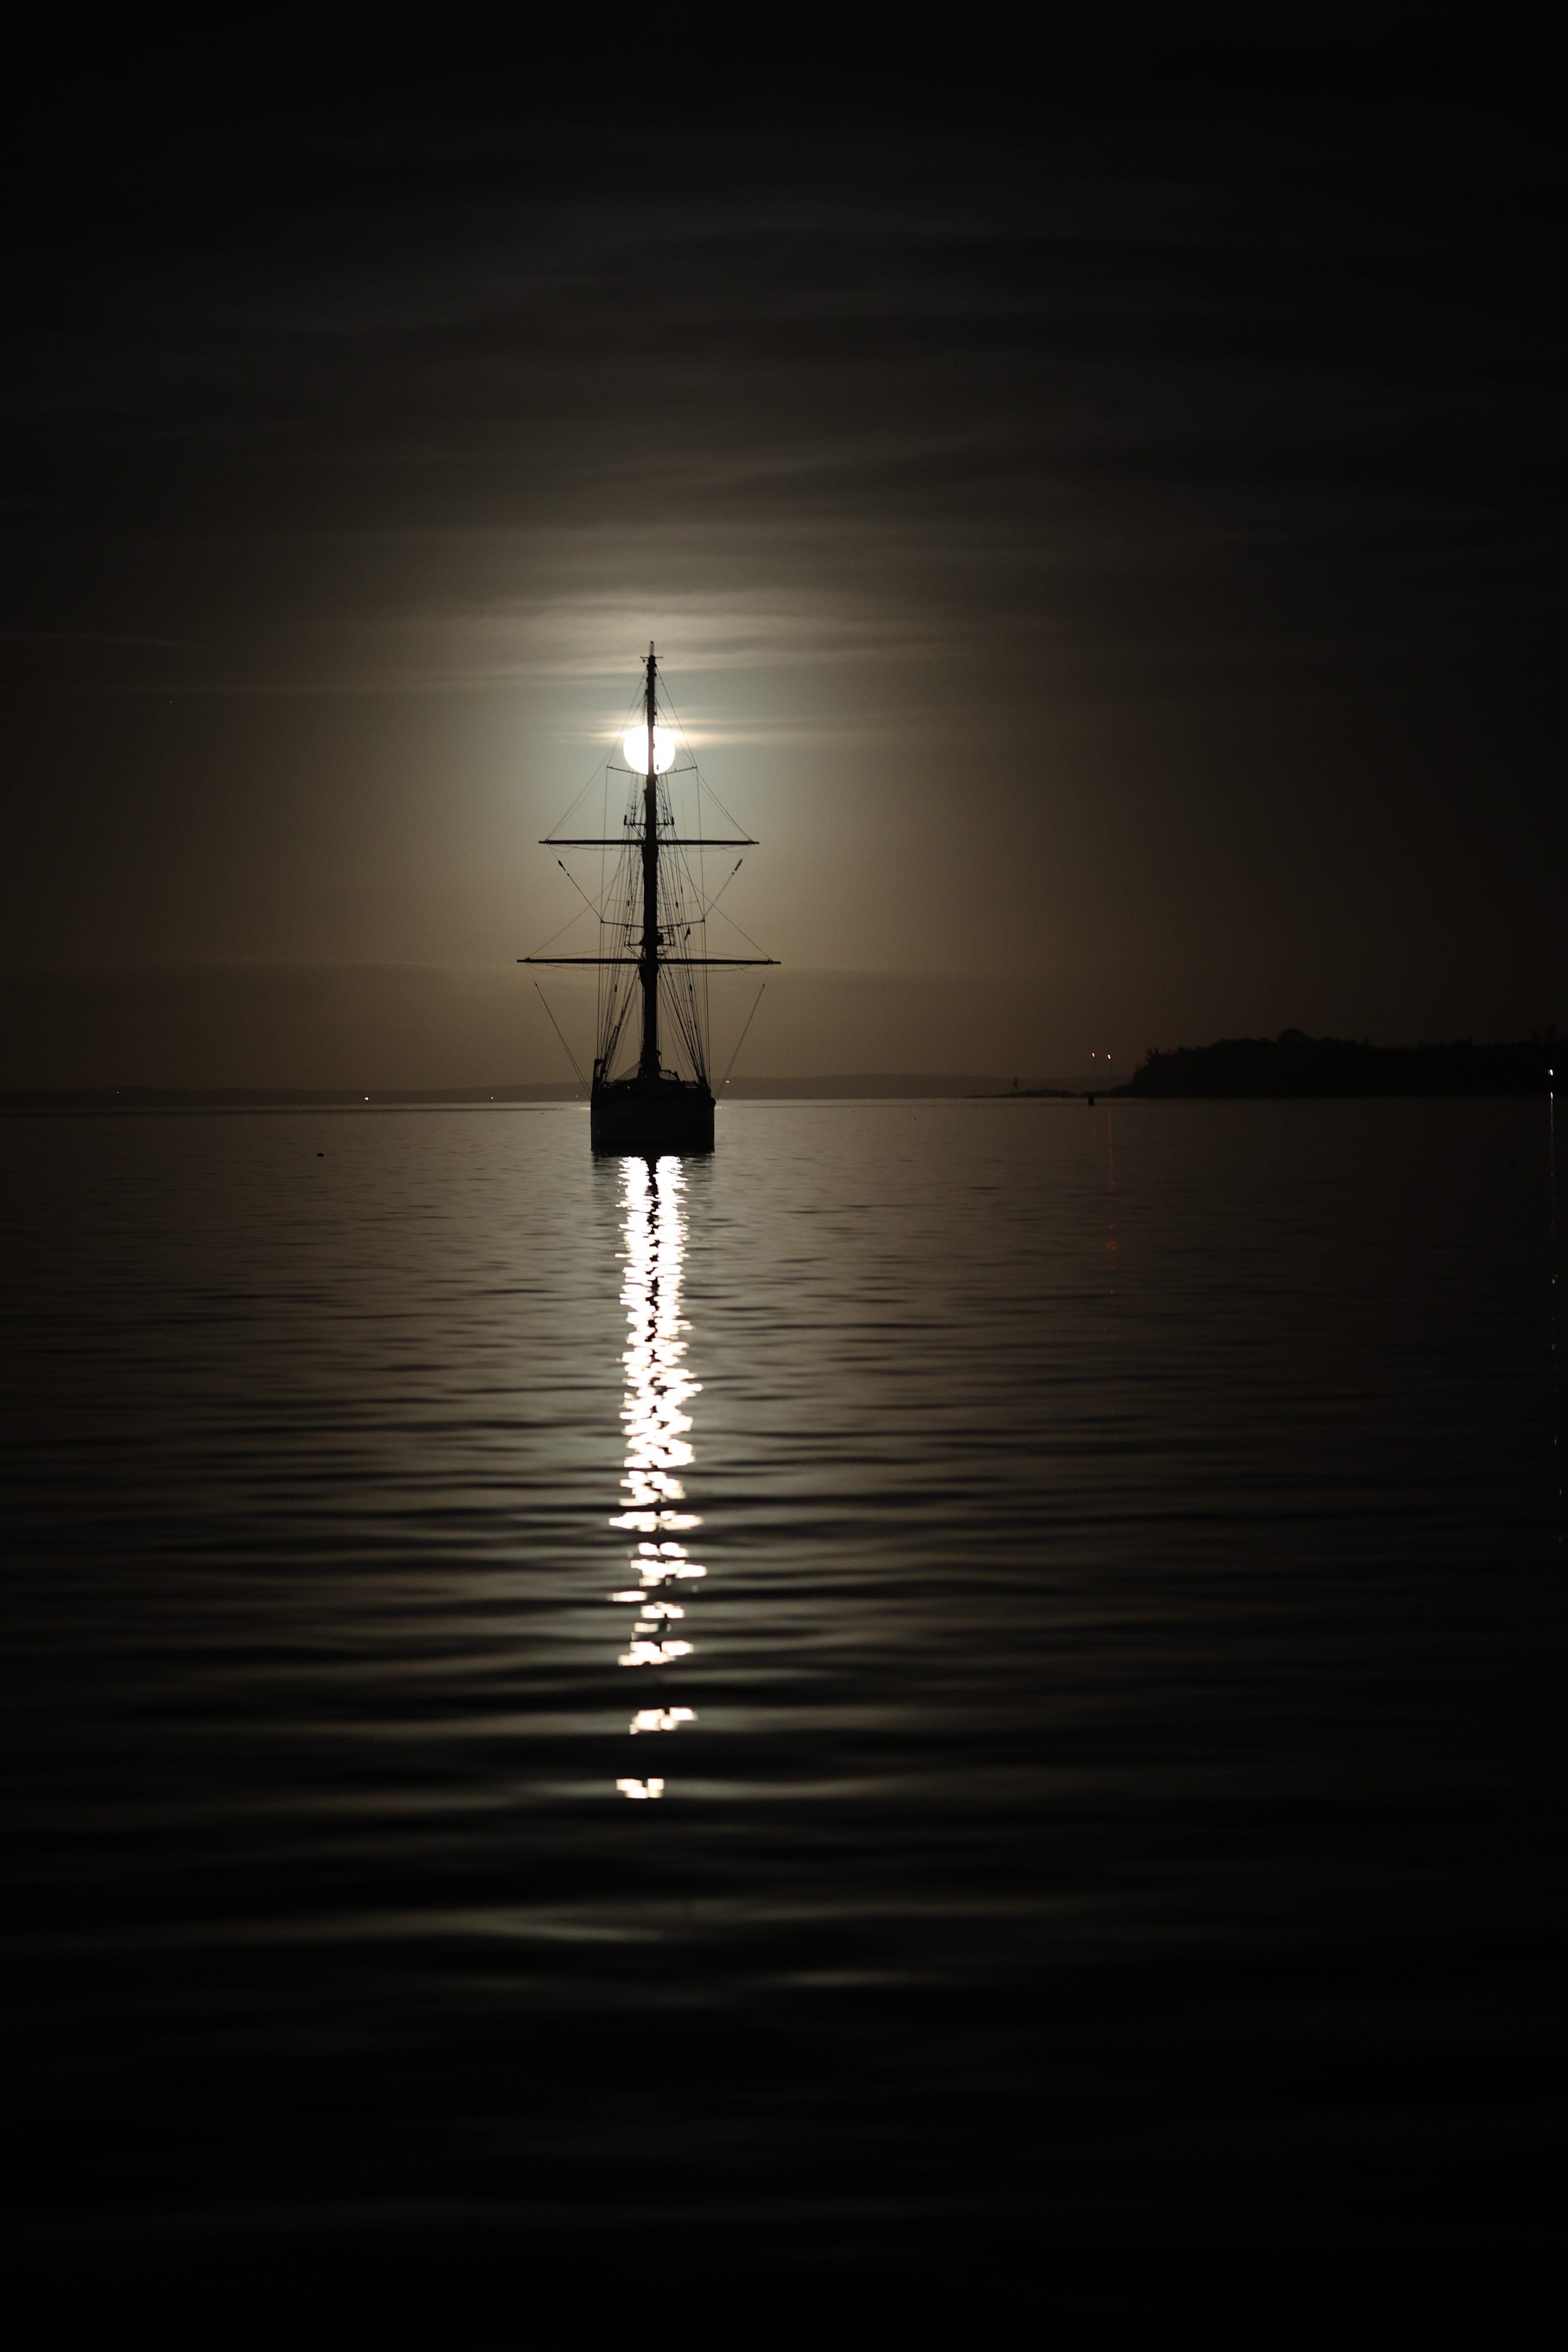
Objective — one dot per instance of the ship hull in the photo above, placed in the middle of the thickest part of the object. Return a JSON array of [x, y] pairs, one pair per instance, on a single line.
[[643, 1117]]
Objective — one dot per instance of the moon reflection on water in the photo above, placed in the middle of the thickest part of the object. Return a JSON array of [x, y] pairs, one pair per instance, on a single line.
[[658, 1424]]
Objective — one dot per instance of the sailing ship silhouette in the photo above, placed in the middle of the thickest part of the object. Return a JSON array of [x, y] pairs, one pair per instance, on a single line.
[[651, 908]]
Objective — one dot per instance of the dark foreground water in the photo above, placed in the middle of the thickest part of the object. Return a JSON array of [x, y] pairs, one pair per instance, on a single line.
[[960, 1689]]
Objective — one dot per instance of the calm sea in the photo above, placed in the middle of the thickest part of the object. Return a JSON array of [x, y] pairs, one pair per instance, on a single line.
[[961, 1679]]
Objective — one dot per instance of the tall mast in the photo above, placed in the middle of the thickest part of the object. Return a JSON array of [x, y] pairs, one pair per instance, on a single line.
[[655, 1108], [648, 961]]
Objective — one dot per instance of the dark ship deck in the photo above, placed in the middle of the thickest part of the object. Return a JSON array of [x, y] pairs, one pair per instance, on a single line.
[[652, 1115]]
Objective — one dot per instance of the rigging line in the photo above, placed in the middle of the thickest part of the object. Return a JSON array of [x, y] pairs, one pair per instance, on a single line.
[[592, 909], [734, 926], [677, 1011], [555, 1024], [576, 801], [700, 1012], [599, 977], [718, 803], [613, 1037], [619, 989], [695, 769], [676, 988], [680, 723], [680, 728], [678, 918], [703, 853], [742, 1038], [579, 797], [703, 896], [694, 1033], [565, 927], [723, 885], [593, 779], [618, 871]]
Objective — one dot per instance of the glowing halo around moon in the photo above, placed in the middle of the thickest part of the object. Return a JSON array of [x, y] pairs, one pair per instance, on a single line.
[[634, 744]]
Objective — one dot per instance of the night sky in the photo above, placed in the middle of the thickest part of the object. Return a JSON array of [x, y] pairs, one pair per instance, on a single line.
[[1096, 501]]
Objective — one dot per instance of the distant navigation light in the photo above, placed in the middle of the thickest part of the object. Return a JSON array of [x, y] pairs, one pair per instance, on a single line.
[[634, 743]]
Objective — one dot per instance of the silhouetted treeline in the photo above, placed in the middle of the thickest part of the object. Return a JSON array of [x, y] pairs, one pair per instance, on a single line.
[[1294, 1063]]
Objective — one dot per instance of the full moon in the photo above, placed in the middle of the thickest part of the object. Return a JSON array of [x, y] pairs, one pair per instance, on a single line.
[[634, 743]]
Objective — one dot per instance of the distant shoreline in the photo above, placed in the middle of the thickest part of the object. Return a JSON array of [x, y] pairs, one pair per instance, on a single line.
[[1294, 1066]]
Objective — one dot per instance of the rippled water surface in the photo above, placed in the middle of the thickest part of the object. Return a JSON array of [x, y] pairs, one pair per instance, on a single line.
[[956, 1669]]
